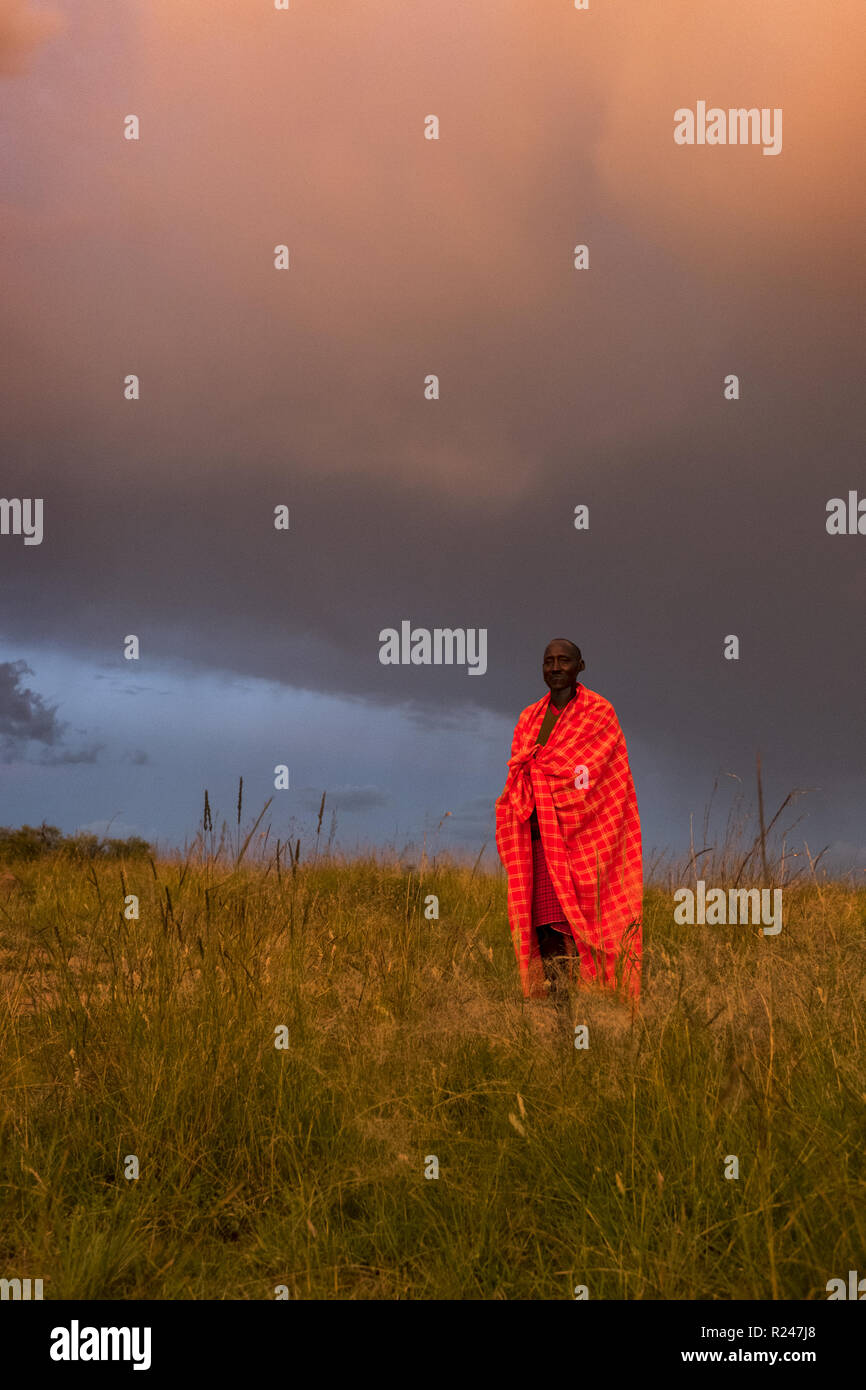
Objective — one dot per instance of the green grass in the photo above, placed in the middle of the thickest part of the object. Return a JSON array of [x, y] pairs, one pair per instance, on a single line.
[[407, 1038]]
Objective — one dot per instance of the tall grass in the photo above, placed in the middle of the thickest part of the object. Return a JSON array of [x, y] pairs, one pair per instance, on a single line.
[[408, 1038]]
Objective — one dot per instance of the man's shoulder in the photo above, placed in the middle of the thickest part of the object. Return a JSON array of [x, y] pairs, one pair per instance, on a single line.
[[597, 704], [533, 709]]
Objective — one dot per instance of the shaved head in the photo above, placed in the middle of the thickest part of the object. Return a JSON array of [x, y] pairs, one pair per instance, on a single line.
[[565, 642]]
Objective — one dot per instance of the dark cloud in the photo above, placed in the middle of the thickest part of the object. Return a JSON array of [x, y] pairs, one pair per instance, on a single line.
[[72, 755], [477, 812], [342, 799], [25, 719], [558, 388], [138, 758], [24, 715]]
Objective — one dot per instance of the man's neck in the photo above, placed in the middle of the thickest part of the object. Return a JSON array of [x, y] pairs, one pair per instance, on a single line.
[[560, 698]]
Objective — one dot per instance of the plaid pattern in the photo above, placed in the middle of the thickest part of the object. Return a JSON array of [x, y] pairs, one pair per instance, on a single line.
[[591, 840], [546, 911]]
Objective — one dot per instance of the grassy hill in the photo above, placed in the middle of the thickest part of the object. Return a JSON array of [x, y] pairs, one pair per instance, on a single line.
[[408, 1039]]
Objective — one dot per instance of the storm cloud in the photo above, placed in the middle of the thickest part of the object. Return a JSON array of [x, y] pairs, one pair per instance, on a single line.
[[557, 388], [342, 799], [24, 714]]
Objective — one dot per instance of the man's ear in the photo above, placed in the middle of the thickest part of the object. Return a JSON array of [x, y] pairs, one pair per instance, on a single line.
[[582, 666]]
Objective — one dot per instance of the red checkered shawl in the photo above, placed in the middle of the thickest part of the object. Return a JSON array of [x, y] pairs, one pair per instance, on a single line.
[[591, 837]]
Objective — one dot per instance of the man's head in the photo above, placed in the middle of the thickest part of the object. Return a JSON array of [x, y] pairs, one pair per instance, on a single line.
[[563, 664]]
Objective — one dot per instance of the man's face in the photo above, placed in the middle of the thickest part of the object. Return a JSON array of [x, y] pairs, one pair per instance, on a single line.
[[560, 666]]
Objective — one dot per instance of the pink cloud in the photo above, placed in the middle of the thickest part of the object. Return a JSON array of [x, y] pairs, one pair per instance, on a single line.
[[22, 31]]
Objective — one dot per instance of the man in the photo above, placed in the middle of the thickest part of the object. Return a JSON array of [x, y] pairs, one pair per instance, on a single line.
[[568, 833]]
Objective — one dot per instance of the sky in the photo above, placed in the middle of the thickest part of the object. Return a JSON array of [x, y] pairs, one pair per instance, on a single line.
[[305, 388]]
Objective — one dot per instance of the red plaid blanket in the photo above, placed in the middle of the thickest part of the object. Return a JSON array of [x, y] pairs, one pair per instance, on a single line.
[[591, 837]]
